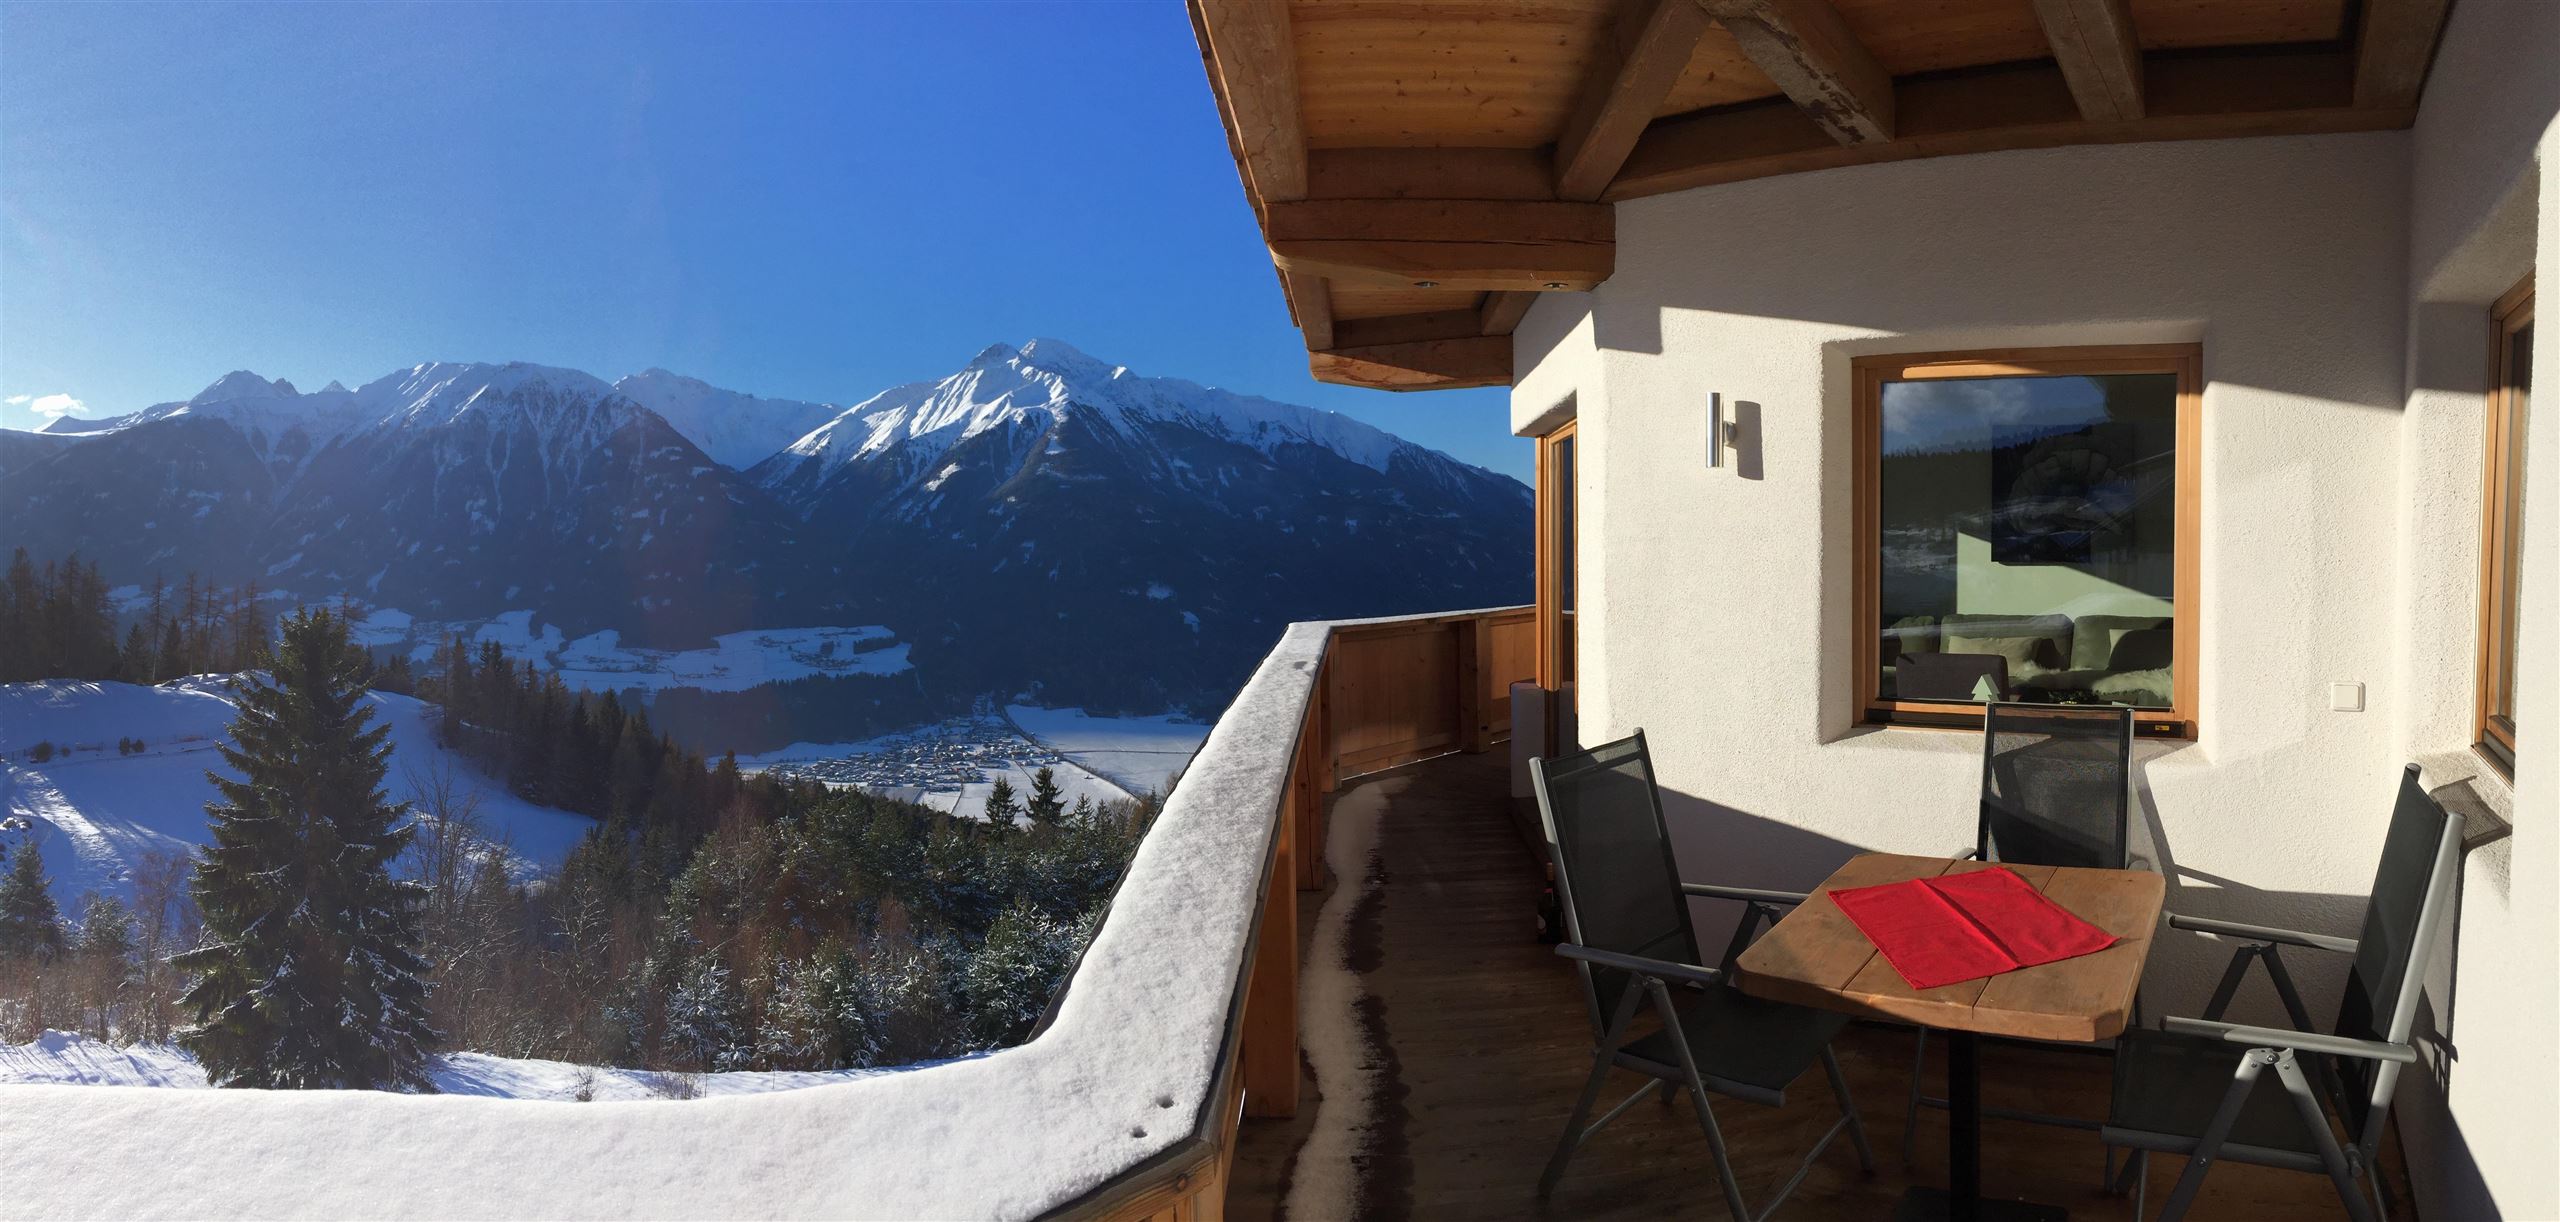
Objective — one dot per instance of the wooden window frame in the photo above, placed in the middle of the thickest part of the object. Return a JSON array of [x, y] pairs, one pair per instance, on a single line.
[[1869, 374], [1554, 630], [2494, 734]]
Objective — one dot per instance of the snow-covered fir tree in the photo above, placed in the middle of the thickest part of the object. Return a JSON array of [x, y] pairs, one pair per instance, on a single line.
[[1047, 806], [309, 974]]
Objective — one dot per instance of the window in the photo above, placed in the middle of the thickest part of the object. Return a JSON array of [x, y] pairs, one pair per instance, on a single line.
[[2501, 520], [1555, 558], [2026, 526]]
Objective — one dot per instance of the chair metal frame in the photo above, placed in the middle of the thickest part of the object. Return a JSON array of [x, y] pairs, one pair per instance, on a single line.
[[2122, 715], [1654, 979], [2355, 1168]]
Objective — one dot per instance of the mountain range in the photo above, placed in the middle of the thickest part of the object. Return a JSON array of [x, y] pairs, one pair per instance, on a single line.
[[1037, 521]]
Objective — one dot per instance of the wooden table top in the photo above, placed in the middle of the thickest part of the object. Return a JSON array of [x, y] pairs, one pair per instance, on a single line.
[[1815, 956]]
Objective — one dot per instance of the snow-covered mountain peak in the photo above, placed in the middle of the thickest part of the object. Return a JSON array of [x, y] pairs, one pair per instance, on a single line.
[[335, 387], [442, 391], [736, 429], [241, 384], [1063, 358]]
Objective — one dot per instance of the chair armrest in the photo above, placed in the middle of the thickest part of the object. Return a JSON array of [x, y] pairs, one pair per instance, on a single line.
[[2299, 1041], [2262, 933], [1659, 969], [1747, 895]]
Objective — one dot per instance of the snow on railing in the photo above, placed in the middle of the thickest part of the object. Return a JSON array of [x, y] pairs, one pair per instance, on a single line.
[[1124, 1100]]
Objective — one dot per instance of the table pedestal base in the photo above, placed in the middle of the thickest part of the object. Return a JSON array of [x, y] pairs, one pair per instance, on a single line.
[[1934, 1205]]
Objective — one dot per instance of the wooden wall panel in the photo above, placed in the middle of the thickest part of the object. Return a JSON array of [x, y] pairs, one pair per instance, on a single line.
[[1393, 691]]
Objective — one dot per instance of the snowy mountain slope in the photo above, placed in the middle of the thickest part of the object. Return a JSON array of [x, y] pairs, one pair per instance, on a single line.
[[899, 441], [1037, 521], [99, 812], [737, 430]]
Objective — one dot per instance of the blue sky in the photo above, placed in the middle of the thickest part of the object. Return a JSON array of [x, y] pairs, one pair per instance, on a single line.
[[808, 201]]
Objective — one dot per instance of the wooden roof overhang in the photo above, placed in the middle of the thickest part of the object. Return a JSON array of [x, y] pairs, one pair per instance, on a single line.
[[1422, 168]]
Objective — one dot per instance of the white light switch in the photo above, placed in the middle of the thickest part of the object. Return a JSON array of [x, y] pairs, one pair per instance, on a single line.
[[2346, 697]]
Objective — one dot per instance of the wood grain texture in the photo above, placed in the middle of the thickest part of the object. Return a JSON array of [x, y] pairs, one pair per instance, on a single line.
[[1501, 312], [1634, 71], [1440, 364], [1253, 70], [1452, 244], [1818, 62], [2014, 107], [1311, 306], [2093, 42], [2394, 45], [1815, 956]]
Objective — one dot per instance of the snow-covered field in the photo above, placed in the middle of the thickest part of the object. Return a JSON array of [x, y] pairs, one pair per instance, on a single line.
[[1136, 753], [953, 766], [57, 1058], [98, 812], [600, 661]]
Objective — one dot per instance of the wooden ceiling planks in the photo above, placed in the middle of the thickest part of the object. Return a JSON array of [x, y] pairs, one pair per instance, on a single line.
[[1455, 73], [1425, 169]]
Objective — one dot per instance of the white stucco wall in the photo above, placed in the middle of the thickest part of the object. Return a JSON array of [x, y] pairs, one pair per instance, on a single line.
[[2340, 523], [2484, 1104]]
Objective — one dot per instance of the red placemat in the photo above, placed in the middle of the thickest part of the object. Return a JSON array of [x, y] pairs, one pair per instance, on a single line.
[[1937, 931]]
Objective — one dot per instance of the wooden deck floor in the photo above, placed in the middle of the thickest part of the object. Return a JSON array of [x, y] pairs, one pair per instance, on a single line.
[[1485, 1047]]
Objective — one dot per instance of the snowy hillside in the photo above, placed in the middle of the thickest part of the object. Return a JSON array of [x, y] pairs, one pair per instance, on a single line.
[[98, 812], [59, 1059]]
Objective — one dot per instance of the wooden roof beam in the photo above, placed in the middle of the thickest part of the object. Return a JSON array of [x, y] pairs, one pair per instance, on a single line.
[[1311, 303], [1501, 312], [1486, 245], [2093, 42], [1634, 71], [1253, 66], [2015, 106], [1815, 58], [2393, 48], [1439, 364]]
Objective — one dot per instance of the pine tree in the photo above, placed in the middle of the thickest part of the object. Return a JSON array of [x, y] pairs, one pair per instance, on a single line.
[[309, 976], [29, 923], [106, 929], [1002, 809], [1047, 806]]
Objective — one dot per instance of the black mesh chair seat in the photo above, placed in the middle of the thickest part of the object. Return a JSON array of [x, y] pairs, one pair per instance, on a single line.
[[1741, 1040], [1626, 918], [2213, 1091], [2056, 791], [2167, 1087]]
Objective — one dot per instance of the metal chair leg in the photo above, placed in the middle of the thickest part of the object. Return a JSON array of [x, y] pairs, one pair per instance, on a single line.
[[1698, 1098], [2141, 1181], [1911, 1111], [1600, 1058], [2313, 1118], [1849, 1110], [2243, 1080]]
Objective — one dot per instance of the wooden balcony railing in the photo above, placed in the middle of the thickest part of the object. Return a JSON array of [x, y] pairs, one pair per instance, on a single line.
[[1334, 700]]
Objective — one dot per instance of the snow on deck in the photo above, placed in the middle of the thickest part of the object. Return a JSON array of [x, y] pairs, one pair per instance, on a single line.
[[1123, 1074]]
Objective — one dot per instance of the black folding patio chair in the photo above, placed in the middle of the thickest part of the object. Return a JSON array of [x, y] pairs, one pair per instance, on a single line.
[[2197, 1087], [1627, 926], [2055, 792]]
